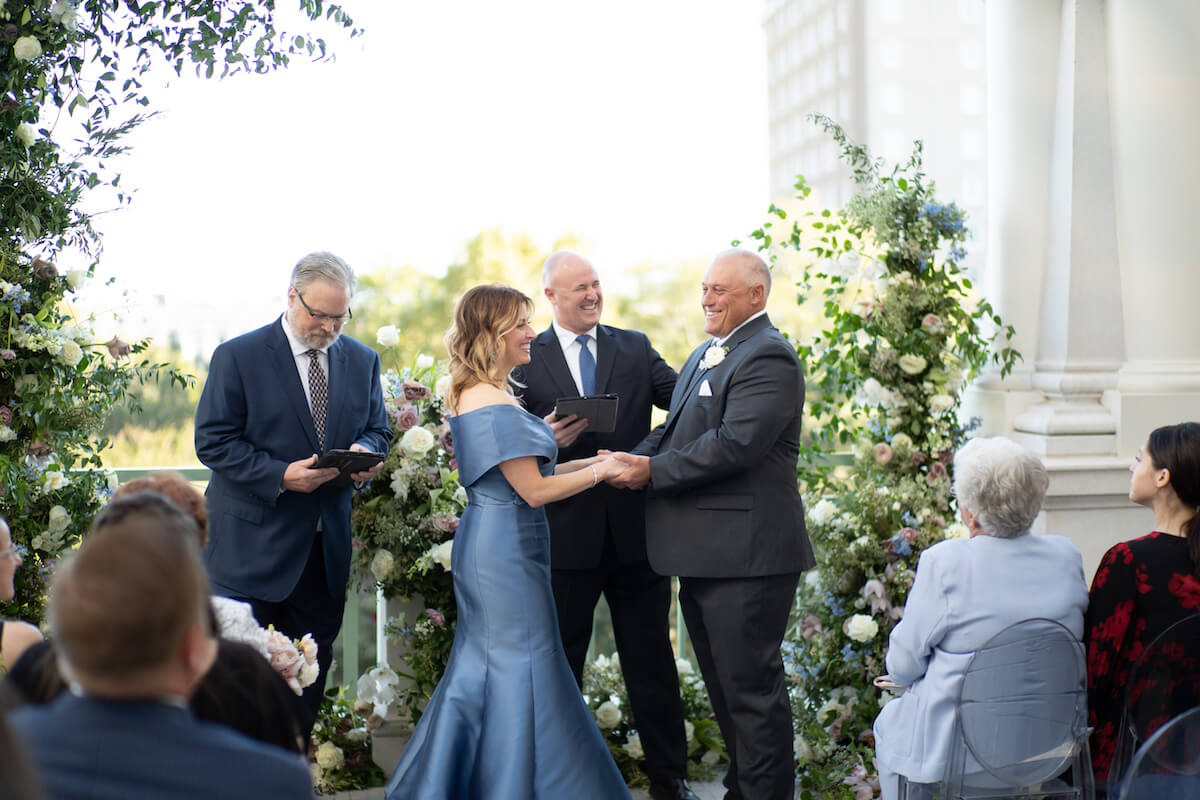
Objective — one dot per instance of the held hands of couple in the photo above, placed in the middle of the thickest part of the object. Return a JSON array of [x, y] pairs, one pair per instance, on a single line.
[[635, 473]]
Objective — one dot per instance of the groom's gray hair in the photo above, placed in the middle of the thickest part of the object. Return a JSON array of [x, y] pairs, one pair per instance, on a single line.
[[756, 269], [324, 266]]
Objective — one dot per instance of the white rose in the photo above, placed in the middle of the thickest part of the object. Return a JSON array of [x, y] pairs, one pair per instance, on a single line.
[[633, 746], [26, 134], [75, 278], [357, 735], [689, 730], [956, 530], [812, 579], [913, 365], [822, 512], [309, 674], [71, 353], [388, 336], [802, 749], [442, 554], [63, 12], [442, 386], [27, 48], [713, 356], [941, 403], [417, 441], [54, 480], [59, 519], [861, 628], [25, 384], [424, 361], [710, 758], [684, 667], [7, 434], [608, 715], [38, 542], [460, 496], [382, 565], [316, 774], [330, 756]]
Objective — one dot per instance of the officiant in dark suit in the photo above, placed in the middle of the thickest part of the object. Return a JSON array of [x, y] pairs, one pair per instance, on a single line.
[[723, 512], [275, 399], [598, 538]]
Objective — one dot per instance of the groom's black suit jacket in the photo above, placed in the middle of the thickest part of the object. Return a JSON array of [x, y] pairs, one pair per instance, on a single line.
[[628, 366], [723, 501]]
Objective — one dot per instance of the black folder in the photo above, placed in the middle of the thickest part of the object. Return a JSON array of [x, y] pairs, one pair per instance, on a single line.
[[600, 410]]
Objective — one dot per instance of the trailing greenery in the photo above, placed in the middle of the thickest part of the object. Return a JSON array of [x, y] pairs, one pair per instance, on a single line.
[[903, 333]]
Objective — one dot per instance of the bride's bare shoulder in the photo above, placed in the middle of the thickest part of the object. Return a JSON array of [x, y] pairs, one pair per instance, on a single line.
[[481, 395]]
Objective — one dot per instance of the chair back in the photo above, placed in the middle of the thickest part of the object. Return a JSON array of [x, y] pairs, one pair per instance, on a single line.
[[1022, 711], [1167, 766], [1164, 681]]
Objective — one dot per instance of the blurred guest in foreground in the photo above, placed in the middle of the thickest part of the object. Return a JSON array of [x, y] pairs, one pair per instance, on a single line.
[[965, 592], [129, 610], [15, 636], [1144, 585]]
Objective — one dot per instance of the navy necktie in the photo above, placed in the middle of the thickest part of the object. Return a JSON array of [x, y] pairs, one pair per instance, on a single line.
[[587, 365], [319, 392]]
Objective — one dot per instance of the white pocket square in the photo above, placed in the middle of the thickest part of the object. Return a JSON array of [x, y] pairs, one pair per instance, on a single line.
[[705, 389]]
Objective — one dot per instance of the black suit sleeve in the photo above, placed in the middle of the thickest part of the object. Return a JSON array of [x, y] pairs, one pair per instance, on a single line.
[[755, 414]]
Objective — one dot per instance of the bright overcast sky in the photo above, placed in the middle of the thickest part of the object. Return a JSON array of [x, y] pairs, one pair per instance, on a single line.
[[638, 124]]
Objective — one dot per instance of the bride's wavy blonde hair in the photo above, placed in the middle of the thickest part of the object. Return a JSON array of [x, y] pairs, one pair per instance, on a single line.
[[482, 317]]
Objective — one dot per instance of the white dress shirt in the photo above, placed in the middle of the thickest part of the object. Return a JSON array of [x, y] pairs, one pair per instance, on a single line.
[[570, 348], [720, 342], [300, 355]]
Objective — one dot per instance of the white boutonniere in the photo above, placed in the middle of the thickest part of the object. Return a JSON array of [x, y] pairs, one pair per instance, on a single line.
[[713, 356]]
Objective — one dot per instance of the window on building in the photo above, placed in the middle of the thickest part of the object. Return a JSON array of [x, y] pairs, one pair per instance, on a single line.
[[972, 144], [970, 54], [971, 100], [893, 99], [891, 10], [970, 11], [893, 54]]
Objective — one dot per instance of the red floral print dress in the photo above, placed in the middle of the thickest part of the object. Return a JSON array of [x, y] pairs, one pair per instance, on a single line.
[[1141, 587]]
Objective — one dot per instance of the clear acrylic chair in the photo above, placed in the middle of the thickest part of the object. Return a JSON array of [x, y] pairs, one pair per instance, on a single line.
[[1163, 682], [1021, 720], [1167, 766]]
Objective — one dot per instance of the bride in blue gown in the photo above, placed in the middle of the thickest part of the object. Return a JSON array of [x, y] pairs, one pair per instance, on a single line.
[[507, 720]]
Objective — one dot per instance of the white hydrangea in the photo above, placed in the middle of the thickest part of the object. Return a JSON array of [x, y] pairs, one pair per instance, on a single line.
[[822, 512]]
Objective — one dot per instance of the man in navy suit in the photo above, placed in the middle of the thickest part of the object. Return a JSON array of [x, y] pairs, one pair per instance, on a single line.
[[723, 512], [279, 531], [598, 538], [131, 625]]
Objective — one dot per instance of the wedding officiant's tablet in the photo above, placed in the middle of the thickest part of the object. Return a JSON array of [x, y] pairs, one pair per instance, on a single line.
[[600, 410], [349, 461]]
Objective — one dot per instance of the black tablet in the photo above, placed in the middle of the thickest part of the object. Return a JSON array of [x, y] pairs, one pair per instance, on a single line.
[[600, 411], [349, 461]]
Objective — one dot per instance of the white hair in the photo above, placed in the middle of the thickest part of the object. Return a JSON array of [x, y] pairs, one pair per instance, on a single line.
[[1001, 483], [323, 266]]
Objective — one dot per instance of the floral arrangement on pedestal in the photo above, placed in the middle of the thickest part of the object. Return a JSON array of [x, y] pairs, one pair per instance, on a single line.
[[605, 694], [901, 335], [339, 755], [404, 522]]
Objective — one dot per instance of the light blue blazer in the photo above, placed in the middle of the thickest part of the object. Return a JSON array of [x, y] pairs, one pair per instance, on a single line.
[[966, 591]]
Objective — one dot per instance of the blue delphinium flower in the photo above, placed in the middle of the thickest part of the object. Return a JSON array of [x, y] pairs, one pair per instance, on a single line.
[[946, 219], [897, 546]]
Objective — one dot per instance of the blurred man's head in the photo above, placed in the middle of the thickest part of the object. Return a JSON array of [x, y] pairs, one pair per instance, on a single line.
[[572, 286], [130, 607]]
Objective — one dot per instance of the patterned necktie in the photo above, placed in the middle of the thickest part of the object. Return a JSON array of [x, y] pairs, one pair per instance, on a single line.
[[587, 365], [319, 391]]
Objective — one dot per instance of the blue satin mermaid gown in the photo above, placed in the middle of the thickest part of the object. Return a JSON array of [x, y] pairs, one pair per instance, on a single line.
[[507, 721]]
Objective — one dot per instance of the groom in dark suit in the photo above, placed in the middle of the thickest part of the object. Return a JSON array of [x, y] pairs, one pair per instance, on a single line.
[[275, 398], [598, 538], [724, 514]]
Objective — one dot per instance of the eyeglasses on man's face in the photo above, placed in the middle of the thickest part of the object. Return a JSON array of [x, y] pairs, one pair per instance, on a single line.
[[323, 318]]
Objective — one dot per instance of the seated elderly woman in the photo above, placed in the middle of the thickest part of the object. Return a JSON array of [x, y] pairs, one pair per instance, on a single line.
[[965, 592]]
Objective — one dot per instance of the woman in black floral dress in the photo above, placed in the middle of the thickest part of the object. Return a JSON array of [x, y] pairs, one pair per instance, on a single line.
[[1144, 585]]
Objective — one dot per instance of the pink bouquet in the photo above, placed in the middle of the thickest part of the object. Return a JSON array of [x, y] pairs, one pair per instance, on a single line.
[[295, 660]]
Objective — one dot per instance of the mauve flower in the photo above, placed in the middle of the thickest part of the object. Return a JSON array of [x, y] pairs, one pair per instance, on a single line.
[[909, 535], [435, 617], [8, 355], [946, 456], [38, 447], [446, 440], [810, 626], [883, 453], [415, 391], [937, 520], [454, 463], [118, 348], [407, 417], [933, 322], [936, 474], [11, 32], [445, 522], [44, 269], [918, 459], [6, 415]]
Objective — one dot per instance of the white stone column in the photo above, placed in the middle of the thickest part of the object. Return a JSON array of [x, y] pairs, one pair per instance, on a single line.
[[1155, 69], [1022, 50], [1082, 343]]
